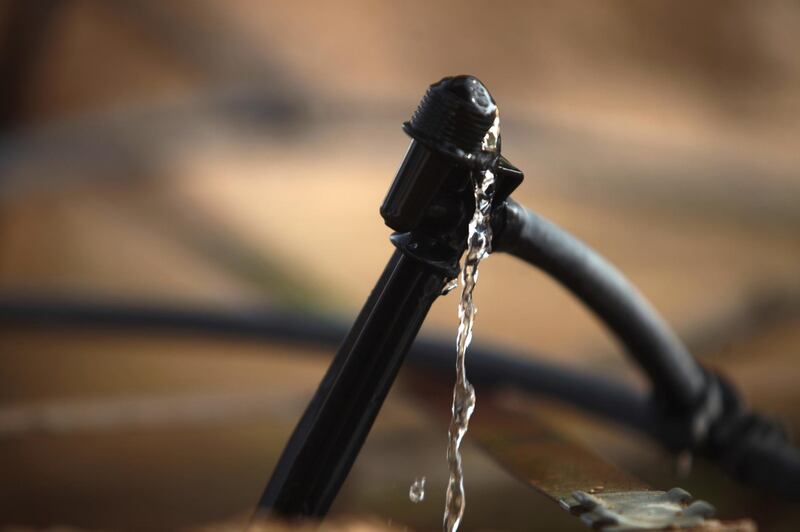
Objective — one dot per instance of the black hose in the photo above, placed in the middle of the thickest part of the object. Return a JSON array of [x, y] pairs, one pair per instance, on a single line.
[[491, 367], [752, 447], [694, 409], [676, 377], [747, 445]]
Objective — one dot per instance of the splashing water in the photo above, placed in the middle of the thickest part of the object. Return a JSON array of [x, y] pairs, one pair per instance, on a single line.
[[478, 247], [416, 493], [451, 285]]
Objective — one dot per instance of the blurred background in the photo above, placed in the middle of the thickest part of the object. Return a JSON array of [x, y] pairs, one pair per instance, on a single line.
[[233, 155]]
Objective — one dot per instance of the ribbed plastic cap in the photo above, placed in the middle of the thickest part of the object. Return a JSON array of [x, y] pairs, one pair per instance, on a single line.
[[454, 116]]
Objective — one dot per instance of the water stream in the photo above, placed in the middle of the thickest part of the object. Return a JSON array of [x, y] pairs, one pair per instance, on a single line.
[[478, 247]]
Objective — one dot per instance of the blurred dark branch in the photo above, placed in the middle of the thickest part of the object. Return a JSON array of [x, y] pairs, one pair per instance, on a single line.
[[222, 55], [24, 39], [199, 36], [132, 142], [762, 311]]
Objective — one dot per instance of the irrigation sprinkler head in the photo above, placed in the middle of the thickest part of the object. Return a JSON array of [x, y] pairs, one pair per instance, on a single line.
[[454, 132], [454, 118]]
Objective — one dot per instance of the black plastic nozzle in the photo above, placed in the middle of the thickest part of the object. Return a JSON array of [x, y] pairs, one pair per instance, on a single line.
[[455, 132], [448, 131], [453, 118]]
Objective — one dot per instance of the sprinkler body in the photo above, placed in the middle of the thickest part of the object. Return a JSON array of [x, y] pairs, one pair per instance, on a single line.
[[429, 205]]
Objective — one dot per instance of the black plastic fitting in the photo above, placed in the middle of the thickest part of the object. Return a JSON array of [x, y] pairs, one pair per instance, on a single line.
[[447, 132], [431, 199], [430, 204]]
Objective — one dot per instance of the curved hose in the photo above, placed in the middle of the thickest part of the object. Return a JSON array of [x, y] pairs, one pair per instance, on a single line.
[[676, 377], [697, 409]]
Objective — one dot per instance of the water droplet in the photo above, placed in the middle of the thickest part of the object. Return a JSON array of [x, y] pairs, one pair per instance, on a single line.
[[416, 493], [492, 136], [451, 285]]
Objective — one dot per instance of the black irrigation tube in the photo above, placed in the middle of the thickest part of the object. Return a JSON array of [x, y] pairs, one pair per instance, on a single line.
[[767, 462], [693, 408], [676, 377], [491, 367], [774, 465]]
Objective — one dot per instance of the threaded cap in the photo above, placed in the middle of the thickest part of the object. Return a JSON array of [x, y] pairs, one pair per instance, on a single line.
[[454, 117]]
